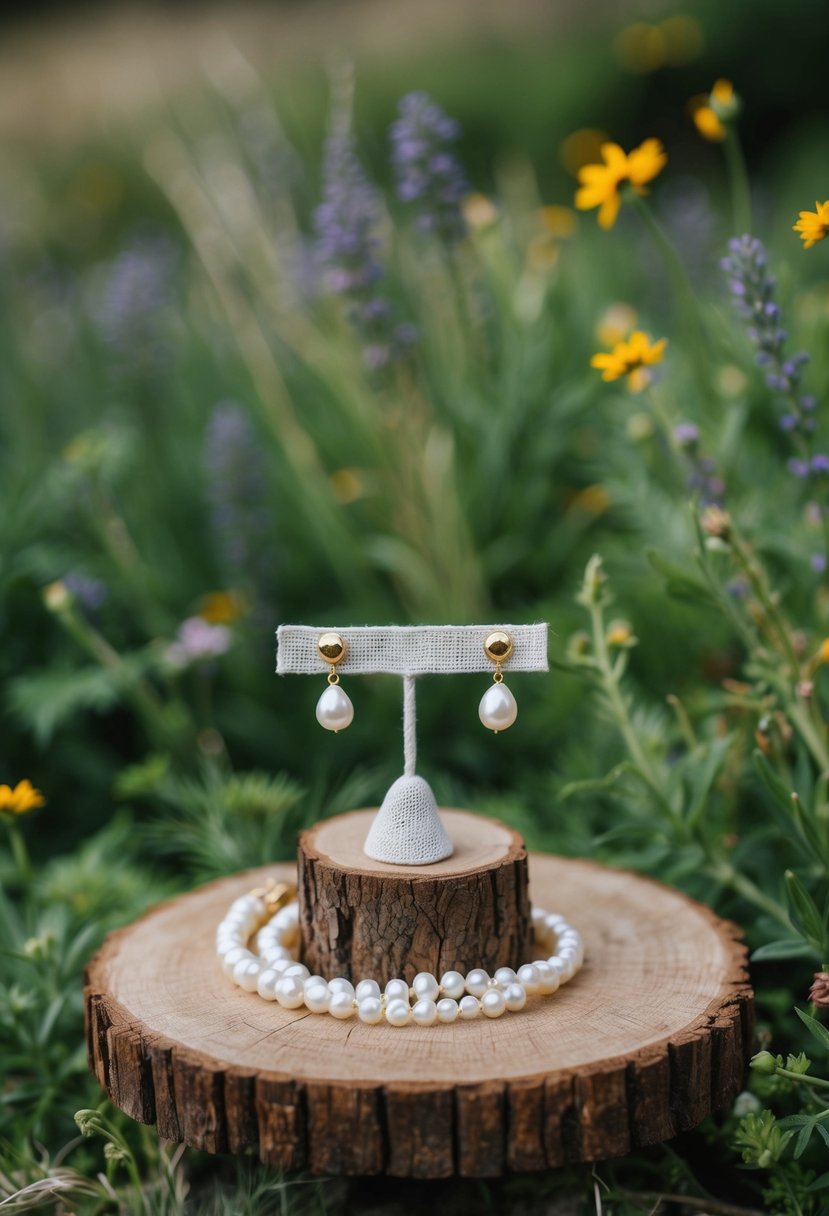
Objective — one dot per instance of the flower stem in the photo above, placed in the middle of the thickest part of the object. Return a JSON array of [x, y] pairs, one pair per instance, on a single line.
[[725, 873], [20, 854], [618, 707], [738, 177], [802, 1078], [686, 299]]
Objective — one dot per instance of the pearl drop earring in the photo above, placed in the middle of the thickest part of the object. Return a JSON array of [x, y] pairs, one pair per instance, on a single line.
[[498, 709], [334, 709]]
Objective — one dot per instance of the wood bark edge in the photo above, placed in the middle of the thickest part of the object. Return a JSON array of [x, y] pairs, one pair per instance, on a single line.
[[429, 1130]]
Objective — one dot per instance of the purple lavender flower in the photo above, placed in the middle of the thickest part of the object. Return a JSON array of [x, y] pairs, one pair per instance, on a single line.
[[427, 172], [753, 288], [818, 562], [346, 221], [686, 434], [90, 593], [347, 250], [235, 474], [703, 478], [133, 304]]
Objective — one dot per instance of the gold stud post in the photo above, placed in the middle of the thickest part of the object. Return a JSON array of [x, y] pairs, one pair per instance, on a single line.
[[497, 647], [332, 650]]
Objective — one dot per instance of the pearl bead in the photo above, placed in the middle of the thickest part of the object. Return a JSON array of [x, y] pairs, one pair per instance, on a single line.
[[493, 1003], [477, 981], [266, 985], [452, 984], [497, 709], [447, 1010], [310, 981], [334, 709], [538, 916], [318, 998], [397, 990], [287, 917], [564, 965], [248, 904], [398, 1013], [280, 964], [548, 977], [289, 992], [272, 954], [246, 973], [341, 1005], [341, 985], [234, 956], [469, 1007], [505, 975], [515, 996], [529, 978], [299, 970], [425, 1012], [426, 986], [370, 1008], [367, 988]]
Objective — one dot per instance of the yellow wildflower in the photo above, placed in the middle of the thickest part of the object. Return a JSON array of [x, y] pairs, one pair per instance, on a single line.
[[479, 211], [592, 500], [347, 485], [560, 222], [56, 596], [600, 183], [641, 47], [712, 112], [631, 359], [813, 226], [24, 797], [222, 607], [823, 651], [619, 633]]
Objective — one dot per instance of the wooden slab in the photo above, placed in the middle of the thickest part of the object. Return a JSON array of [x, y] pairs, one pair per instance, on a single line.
[[650, 1037]]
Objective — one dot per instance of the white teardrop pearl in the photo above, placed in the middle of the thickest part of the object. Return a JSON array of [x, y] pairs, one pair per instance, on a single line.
[[498, 709], [334, 709]]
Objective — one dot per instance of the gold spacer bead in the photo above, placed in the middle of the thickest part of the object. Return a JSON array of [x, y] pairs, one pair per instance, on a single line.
[[331, 648], [498, 646]]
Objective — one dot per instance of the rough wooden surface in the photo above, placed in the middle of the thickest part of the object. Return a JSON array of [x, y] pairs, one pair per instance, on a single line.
[[361, 918], [648, 1038]]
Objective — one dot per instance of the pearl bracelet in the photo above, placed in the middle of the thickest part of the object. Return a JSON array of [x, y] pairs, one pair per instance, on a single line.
[[276, 974]]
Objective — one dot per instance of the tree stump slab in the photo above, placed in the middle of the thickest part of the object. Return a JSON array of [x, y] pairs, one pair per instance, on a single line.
[[650, 1036], [366, 919]]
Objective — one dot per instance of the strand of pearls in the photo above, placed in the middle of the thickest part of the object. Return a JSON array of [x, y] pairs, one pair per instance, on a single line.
[[274, 971]]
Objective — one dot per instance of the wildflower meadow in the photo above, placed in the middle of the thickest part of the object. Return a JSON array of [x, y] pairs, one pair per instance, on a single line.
[[379, 360]]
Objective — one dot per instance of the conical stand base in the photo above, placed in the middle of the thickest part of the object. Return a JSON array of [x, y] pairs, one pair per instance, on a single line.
[[407, 830]]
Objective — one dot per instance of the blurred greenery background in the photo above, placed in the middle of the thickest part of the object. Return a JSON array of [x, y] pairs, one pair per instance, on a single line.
[[194, 449]]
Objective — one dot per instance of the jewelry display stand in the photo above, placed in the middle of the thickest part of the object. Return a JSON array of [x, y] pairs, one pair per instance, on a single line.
[[650, 1036]]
